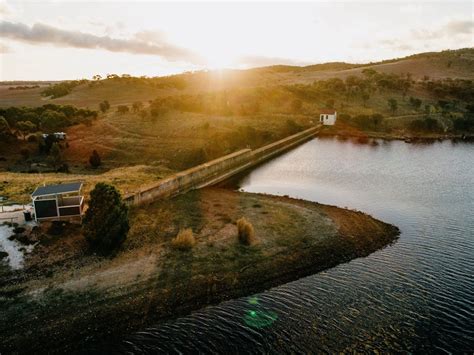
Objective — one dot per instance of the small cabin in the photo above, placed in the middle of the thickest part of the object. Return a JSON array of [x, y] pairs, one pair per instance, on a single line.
[[328, 117], [58, 202]]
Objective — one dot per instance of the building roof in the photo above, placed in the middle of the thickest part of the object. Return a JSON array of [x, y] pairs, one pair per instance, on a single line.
[[328, 112], [57, 189]]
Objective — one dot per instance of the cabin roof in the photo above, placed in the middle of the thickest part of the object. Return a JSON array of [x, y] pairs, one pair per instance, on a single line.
[[57, 189]]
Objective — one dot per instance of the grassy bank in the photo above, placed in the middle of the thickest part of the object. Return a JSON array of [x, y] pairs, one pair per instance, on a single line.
[[66, 295]]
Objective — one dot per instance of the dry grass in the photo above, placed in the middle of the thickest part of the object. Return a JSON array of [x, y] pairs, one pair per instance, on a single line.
[[246, 232], [184, 240]]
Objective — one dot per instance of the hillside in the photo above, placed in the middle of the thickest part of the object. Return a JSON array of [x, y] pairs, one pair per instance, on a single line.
[[447, 64], [172, 123]]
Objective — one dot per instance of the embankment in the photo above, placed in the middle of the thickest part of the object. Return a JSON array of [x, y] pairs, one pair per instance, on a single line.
[[66, 296], [217, 170]]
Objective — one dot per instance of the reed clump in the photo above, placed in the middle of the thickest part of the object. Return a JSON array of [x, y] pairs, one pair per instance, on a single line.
[[246, 232], [184, 240]]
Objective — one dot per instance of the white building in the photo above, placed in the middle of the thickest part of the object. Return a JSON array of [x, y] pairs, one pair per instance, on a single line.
[[328, 117]]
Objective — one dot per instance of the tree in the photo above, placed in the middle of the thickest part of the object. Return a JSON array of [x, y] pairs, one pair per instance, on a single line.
[[377, 119], [25, 153], [94, 159], [416, 103], [52, 120], [122, 109], [105, 224], [55, 155], [104, 106], [25, 127], [5, 131], [393, 105], [137, 106]]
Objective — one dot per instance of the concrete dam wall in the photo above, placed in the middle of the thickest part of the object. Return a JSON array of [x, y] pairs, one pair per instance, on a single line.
[[217, 170]]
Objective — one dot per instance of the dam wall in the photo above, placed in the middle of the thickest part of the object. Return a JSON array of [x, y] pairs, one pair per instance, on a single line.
[[216, 170]]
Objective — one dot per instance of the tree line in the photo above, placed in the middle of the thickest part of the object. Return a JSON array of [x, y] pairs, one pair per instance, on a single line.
[[21, 121]]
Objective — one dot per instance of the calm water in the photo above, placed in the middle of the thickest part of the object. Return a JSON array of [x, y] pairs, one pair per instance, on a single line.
[[416, 295]]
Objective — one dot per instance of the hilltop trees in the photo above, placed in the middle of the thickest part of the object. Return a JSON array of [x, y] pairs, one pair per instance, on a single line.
[[137, 106], [62, 88], [122, 109], [104, 106], [105, 225]]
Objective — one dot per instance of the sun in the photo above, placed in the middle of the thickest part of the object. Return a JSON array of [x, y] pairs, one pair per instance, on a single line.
[[220, 60]]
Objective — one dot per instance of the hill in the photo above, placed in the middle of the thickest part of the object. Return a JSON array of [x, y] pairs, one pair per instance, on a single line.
[[175, 122], [454, 64]]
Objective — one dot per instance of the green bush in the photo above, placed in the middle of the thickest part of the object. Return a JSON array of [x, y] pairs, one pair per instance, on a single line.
[[105, 224]]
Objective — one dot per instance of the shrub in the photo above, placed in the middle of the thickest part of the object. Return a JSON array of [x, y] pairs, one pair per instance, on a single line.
[[105, 224], [184, 240], [104, 106], [122, 109], [246, 232]]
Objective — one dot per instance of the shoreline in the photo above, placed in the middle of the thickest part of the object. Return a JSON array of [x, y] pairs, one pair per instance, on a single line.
[[57, 304], [364, 137]]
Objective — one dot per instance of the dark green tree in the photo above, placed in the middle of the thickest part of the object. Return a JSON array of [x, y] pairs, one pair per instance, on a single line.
[[55, 157], [5, 131], [52, 120], [25, 127], [94, 159], [393, 105], [104, 106], [105, 224]]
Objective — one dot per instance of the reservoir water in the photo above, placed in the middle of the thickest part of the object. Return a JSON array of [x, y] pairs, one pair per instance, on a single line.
[[416, 295]]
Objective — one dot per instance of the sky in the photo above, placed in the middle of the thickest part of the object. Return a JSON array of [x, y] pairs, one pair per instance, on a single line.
[[56, 40]]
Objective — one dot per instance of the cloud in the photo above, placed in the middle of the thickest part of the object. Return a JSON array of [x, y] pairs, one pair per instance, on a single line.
[[459, 27], [41, 33], [425, 37], [396, 44], [450, 29], [261, 61]]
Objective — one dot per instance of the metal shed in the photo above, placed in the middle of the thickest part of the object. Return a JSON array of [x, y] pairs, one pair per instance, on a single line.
[[55, 202]]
